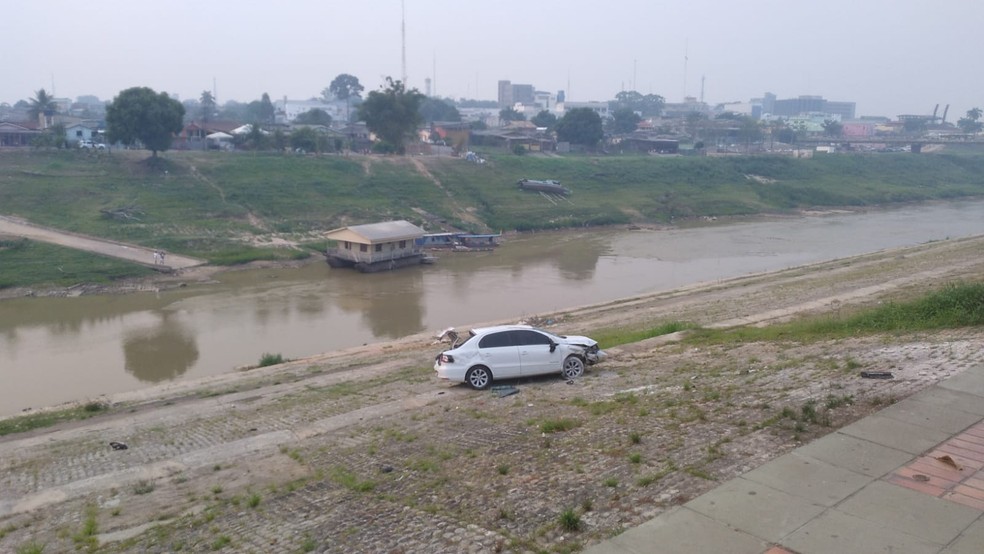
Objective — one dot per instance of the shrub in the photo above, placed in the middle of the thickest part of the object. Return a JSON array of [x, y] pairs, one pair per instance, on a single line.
[[270, 359], [570, 521]]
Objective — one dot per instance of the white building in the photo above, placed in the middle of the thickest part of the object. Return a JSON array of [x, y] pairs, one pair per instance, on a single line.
[[288, 110]]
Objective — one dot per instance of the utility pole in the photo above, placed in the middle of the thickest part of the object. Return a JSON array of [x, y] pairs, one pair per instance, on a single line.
[[634, 75]]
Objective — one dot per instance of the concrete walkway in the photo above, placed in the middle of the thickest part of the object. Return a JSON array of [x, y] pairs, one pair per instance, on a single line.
[[130, 252], [907, 479]]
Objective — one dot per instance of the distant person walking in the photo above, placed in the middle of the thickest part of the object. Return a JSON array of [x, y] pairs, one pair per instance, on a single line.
[[157, 257]]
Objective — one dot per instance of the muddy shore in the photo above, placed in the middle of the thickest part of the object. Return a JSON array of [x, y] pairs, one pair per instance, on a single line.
[[363, 451]]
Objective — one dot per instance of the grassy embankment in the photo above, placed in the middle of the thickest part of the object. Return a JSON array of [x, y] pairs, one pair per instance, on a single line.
[[955, 305], [952, 306], [221, 206]]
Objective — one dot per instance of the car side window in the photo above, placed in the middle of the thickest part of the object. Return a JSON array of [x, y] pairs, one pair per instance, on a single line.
[[530, 338], [496, 340]]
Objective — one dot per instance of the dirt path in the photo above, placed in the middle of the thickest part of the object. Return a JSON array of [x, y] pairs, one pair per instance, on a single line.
[[131, 252], [362, 451]]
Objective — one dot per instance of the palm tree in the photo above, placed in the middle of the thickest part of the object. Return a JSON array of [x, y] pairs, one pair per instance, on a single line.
[[42, 104], [207, 102]]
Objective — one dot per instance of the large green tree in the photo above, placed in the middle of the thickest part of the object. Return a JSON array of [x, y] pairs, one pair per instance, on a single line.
[[649, 105], [435, 109], [261, 111], [314, 116], [544, 119], [580, 126], [970, 123], [140, 114], [344, 87], [392, 114], [832, 128], [625, 120], [510, 114]]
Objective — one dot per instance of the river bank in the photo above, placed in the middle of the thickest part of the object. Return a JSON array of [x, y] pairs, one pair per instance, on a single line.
[[361, 450]]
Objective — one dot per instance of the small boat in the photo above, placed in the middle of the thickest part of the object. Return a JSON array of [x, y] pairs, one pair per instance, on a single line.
[[549, 186]]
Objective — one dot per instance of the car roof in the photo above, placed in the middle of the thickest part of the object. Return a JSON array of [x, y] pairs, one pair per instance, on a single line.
[[495, 328]]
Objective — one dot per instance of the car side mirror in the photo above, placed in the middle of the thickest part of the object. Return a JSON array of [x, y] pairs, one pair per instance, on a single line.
[[553, 346]]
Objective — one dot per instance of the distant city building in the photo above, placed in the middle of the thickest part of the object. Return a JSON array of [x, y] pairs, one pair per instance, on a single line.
[[510, 94], [689, 105], [806, 104]]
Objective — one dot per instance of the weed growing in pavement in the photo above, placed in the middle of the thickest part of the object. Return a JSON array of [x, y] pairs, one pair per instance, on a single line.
[[503, 469], [635, 438], [309, 544], [86, 537], [647, 480], [834, 402], [570, 521], [221, 542], [31, 548], [610, 482], [635, 458], [217, 489], [699, 472], [809, 411], [350, 480], [558, 425], [254, 500], [144, 487]]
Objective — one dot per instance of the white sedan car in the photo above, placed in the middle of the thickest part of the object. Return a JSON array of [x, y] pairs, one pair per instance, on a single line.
[[510, 351]]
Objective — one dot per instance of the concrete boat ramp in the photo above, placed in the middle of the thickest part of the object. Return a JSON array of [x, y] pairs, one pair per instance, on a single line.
[[130, 252]]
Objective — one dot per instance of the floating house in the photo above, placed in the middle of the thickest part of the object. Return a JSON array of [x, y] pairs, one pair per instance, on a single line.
[[376, 246], [459, 242]]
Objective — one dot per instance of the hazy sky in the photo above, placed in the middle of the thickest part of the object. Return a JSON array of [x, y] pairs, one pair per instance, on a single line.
[[889, 56]]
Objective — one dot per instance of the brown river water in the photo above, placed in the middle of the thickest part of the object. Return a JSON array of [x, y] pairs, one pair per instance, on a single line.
[[55, 350]]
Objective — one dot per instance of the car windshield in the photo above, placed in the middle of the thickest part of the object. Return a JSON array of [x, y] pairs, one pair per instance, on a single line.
[[549, 334], [471, 337]]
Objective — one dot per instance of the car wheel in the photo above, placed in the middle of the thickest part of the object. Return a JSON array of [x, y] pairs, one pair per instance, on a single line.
[[479, 377], [573, 367]]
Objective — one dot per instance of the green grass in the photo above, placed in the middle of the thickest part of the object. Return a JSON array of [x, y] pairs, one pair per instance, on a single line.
[[952, 306], [569, 520], [616, 337], [558, 425], [208, 202], [40, 420], [27, 262], [351, 481]]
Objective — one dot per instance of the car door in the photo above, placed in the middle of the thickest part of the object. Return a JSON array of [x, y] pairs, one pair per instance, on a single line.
[[537, 353], [499, 353]]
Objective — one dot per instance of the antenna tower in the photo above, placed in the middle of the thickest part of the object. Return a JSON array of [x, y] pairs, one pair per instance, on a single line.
[[403, 39]]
